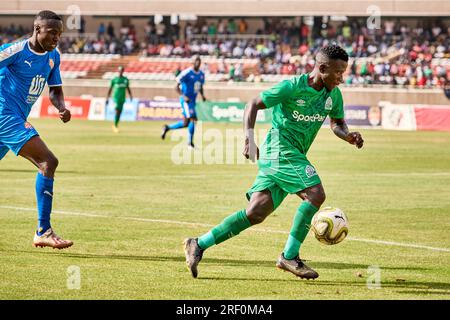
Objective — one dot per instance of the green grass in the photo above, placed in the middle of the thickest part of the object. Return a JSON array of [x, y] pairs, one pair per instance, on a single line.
[[397, 188]]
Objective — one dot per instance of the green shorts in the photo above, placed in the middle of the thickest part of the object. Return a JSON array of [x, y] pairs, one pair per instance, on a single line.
[[119, 105], [283, 171]]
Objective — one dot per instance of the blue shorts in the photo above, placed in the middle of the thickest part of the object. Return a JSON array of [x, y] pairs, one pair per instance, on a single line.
[[188, 109], [14, 133]]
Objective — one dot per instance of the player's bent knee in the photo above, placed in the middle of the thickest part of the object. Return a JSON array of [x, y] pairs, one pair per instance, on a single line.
[[318, 197], [257, 214], [49, 165], [255, 217]]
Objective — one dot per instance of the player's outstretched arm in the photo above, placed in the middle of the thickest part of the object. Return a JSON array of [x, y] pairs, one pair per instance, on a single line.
[[57, 99], [340, 129], [108, 94], [251, 151]]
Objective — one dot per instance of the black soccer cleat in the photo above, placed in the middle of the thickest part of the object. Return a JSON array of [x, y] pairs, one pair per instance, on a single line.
[[297, 267], [164, 131], [193, 254]]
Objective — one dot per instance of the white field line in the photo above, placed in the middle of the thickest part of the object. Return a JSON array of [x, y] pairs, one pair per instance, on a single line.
[[62, 176], [194, 224]]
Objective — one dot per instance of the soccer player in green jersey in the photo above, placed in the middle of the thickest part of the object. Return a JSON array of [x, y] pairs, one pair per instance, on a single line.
[[118, 87], [300, 106]]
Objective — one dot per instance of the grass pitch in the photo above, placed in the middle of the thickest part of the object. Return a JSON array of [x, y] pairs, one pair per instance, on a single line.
[[128, 207]]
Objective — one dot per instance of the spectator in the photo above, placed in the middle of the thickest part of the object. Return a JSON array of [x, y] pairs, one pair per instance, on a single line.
[[231, 27], [110, 30], [221, 27], [101, 30], [242, 26]]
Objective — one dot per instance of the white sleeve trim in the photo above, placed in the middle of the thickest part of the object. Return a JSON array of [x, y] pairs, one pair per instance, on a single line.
[[182, 74], [12, 50]]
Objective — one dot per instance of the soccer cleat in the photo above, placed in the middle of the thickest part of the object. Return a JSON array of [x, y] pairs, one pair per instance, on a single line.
[[164, 131], [191, 146], [297, 267], [115, 129], [193, 254], [50, 239]]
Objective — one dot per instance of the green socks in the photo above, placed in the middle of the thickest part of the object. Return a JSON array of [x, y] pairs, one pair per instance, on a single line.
[[299, 230], [238, 221], [116, 120], [231, 226]]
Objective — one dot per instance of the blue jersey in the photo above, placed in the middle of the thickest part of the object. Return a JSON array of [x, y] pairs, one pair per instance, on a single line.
[[23, 75], [191, 82]]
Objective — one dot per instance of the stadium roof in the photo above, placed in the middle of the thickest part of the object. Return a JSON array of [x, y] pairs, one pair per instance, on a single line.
[[234, 7]]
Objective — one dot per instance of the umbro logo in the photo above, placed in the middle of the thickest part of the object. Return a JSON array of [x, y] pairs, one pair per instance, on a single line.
[[301, 103], [27, 62]]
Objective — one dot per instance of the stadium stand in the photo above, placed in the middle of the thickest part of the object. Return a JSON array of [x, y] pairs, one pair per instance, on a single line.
[[396, 54]]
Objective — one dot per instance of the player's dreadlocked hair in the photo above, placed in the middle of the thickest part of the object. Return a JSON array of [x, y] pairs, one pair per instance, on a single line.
[[48, 15], [335, 52]]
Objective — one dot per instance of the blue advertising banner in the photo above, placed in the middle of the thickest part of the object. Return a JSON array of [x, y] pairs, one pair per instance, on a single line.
[[364, 116]]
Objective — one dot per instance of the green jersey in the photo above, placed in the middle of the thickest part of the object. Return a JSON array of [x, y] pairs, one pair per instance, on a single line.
[[299, 110], [119, 86], [297, 115]]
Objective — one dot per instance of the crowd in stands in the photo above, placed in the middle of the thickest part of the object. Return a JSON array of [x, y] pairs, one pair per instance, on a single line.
[[394, 53], [106, 41], [12, 33]]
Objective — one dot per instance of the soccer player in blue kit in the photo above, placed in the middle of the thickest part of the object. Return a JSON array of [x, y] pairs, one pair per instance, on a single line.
[[25, 67], [191, 82]]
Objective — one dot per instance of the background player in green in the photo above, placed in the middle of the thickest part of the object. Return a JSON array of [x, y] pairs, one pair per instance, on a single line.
[[118, 86], [300, 106]]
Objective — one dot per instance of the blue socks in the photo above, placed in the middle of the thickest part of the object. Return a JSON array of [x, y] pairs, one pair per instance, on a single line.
[[191, 129], [44, 197], [176, 125], [180, 124]]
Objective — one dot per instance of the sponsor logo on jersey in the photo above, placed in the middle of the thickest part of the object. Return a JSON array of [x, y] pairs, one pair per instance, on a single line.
[[310, 171], [51, 63], [308, 118], [329, 104], [28, 62], [37, 85]]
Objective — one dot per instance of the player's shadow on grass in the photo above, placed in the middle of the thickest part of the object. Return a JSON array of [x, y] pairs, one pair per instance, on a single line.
[[414, 287], [35, 170], [340, 265], [221, 262]]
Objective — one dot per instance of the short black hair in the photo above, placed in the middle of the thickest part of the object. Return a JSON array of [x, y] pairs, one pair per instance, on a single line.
[[48, 15], [335, 52]]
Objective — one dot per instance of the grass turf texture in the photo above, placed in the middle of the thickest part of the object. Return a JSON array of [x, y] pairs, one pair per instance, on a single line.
[[111, 190]]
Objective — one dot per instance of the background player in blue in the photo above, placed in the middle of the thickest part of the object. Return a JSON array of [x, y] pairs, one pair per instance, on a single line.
[[189, 83], [25, 67]]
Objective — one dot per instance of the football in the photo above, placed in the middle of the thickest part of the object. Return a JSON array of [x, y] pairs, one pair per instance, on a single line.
[[330, 225]]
